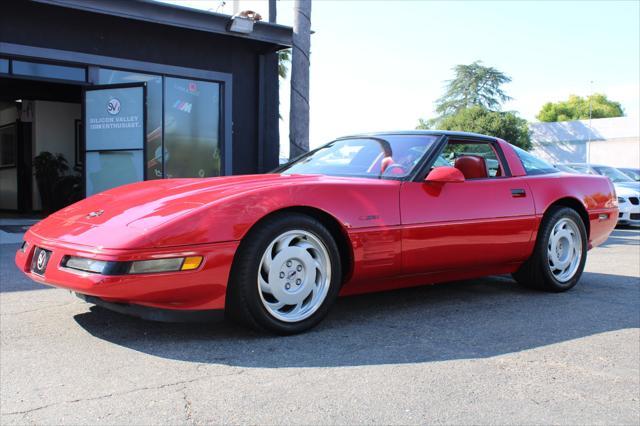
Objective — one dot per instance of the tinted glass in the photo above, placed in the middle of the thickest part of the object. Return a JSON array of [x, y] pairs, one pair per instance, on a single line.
[[580, 168], [533, 165], [108, 169], [612, 173], [4, 66], [632, 173], [49, 71], [154, 113], [393, 156], [454, 151], [8, 146], [191, 128], [114, 118]]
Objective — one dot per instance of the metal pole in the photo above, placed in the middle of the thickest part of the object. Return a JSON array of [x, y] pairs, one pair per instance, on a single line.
[[299, 114], [272, 11]]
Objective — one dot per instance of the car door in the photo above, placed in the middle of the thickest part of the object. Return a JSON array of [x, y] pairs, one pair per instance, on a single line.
[[481, 222]]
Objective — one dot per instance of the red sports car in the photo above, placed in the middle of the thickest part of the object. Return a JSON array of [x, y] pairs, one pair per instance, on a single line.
[[361, 214]]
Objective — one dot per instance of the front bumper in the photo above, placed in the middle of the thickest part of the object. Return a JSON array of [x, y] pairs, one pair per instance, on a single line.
[[201, 289], [629, 214]]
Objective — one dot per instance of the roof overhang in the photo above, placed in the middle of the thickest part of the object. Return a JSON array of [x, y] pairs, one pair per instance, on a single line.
[[179, 16]]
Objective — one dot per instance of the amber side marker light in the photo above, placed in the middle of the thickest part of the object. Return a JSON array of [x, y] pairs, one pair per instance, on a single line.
[[190, 263]]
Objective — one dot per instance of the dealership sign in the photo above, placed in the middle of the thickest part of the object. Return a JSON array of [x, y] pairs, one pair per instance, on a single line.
[[114, 119]]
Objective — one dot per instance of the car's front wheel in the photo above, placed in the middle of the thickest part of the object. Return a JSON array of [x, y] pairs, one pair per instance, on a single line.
[[286, 275], [560, 252]]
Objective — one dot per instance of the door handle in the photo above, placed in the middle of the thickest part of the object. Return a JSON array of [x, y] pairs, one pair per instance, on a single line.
[[518, 193]]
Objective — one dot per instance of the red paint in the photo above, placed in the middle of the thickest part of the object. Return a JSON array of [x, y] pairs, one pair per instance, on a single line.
[[444, 175], [400, 233]]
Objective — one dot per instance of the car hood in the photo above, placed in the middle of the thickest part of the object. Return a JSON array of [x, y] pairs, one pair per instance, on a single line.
[[627, 188], [125, 216]]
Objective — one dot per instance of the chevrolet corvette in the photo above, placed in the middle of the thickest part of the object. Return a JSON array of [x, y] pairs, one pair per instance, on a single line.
[[360, 214]]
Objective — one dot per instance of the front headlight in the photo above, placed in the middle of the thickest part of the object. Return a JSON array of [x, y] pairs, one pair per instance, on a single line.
[[151, 266], [621, 200], [86, 265]]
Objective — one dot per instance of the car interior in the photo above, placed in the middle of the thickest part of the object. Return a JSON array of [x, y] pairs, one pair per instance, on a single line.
[[476, 160]]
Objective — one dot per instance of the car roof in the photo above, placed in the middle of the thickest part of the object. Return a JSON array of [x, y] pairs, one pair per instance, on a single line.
[[450, 133]]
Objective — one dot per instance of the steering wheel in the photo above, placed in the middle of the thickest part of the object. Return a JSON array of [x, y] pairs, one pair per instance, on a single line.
[[395, 169]]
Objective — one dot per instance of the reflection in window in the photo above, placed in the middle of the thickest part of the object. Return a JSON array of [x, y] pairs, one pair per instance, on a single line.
[[154, 113], [108, 169], [533, 165], [4, 66], [58, 72], [191, 134], [8, 146]]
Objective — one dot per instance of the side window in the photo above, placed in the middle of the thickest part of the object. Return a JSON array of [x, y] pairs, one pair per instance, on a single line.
[[533, 165], [476, 160]]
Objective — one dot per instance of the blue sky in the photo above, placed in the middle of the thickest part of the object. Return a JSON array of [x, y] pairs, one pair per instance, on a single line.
[[380, 65]]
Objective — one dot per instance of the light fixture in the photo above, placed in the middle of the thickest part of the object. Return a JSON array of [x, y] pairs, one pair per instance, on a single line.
[[240, 24], [150, 266]]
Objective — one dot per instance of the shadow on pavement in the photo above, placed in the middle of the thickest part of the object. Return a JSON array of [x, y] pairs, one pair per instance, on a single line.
[[469, 319], [625, 236]]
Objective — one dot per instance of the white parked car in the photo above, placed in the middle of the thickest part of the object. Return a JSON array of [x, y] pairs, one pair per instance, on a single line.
[[627, 189]]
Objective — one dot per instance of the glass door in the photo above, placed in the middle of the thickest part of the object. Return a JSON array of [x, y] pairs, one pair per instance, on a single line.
[[114, 135]]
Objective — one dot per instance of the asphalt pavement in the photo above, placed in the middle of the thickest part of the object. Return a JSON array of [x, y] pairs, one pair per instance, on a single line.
[[471, 352]]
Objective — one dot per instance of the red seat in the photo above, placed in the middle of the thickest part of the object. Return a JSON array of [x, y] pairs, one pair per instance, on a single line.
[[472, 166], [386, 162]]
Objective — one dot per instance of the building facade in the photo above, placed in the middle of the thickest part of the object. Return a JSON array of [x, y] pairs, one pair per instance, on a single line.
[[607, 141], [132, 90]]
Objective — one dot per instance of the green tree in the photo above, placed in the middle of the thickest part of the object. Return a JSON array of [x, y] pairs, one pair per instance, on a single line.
[[473, 84], [284, 60], [478, 119], [577, 108]]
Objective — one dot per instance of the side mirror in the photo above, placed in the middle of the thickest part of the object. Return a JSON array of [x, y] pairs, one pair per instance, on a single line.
[[445, 174]]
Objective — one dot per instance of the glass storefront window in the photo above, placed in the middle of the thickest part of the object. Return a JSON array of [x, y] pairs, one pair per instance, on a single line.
[[108, 169], [4, 66], [154, 113], [192, 123], [58, 72]]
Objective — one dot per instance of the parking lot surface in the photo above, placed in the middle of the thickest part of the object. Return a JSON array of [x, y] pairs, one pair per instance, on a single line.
[[472, 352]]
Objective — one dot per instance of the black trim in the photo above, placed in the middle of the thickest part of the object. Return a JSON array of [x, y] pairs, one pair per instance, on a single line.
[[518, 193], [171, 15], [156, 314]]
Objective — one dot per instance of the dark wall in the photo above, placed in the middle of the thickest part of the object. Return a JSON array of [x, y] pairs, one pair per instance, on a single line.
[[56, 27]]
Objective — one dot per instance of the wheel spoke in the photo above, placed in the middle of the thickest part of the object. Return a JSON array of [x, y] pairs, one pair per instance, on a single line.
[[264, 286]]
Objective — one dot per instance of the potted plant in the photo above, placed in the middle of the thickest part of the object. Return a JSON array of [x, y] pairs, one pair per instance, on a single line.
[[49, 171]]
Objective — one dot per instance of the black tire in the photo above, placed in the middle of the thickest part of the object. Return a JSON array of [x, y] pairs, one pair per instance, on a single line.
[[244, 303], [535, 272]]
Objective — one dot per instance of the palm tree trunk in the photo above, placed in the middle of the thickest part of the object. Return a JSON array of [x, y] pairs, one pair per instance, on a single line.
[[299, 114]]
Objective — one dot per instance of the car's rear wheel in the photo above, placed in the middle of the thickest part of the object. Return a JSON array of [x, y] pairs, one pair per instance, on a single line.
[[286, 275], [560, 252]]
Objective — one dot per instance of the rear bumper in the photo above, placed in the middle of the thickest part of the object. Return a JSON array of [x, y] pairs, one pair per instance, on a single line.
[[201, 289]]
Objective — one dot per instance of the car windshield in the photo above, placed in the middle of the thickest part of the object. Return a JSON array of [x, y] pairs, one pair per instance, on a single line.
[[386, 157], [632, 173], [612, 173]]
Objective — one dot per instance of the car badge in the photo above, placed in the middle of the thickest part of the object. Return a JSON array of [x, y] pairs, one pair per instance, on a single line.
[[95, 214], [42, 257]]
